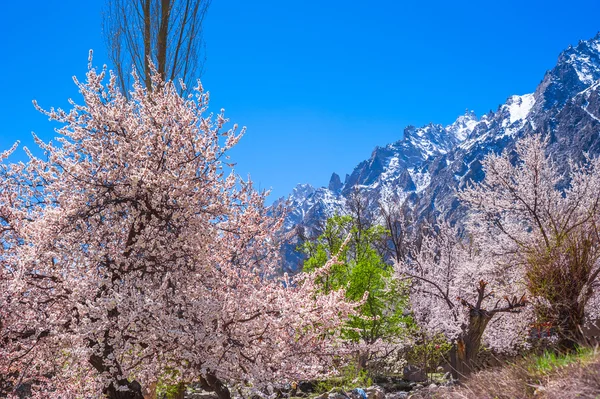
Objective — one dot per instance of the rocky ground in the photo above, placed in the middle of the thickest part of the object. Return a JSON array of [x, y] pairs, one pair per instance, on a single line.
[[543, 376], [386, 389]]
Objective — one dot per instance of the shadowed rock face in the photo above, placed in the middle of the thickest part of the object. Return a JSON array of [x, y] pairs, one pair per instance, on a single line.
[[429, 163], [335, 184]]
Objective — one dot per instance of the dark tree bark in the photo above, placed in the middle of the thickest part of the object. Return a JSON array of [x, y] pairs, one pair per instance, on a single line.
[[115, 391], [134, 391], [467, 346], [102, 365], [398, 221], [212, 384]]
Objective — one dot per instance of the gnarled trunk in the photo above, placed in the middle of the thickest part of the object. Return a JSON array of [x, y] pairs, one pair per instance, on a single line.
[[120, 388], [134, 391], [212, 384], [464, 353]]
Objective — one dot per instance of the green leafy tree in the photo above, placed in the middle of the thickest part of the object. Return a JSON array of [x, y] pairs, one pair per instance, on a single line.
[[361, 270]]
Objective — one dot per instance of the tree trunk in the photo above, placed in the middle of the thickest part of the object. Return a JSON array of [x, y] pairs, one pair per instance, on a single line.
[[134, 391], [115, 389], [180, 391], [150, 391], [464, 353], [212, 384], [147, 44], [362, 360], [163, 33]]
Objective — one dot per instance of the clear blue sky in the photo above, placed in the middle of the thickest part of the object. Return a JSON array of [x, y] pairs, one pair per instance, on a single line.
[[318, 83]]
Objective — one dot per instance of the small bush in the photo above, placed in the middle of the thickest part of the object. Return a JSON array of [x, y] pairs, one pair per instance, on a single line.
[[349, 378], [429, 352]]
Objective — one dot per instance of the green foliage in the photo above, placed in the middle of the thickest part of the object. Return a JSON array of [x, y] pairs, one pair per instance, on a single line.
[[328, 244], [549, 361], [429, 351], [169, 391], [168, 386], [362, 269], [349, 378]]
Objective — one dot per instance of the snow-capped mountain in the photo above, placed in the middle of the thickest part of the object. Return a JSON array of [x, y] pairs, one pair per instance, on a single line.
[[431, 162]]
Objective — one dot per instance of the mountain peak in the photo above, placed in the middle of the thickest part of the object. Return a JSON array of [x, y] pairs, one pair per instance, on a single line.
[[302, 190], [335, 183], [463, 125], [578, 67]]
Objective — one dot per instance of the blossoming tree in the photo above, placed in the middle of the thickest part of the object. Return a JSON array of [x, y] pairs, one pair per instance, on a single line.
[[451, 293], [129, 253], [544, 219]]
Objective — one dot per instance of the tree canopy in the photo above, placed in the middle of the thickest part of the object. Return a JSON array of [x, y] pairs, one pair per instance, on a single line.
[[131, 249]]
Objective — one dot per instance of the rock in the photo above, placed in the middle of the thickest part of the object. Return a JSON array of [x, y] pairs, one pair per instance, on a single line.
[[414, 374], [432, 386], [450, 383], [335, 183], [393, 384], [375, 392], [358, 393], [196, 392], [381, 379], [306, 386], [397, 395], [202, 395]]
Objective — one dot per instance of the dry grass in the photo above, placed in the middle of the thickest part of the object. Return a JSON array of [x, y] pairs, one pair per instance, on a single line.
[[546, 376], [575, 381]]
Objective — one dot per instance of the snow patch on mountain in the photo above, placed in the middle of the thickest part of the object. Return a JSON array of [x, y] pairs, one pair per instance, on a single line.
[[519, 107], [302, 191], [391, 169], [586, 96], [421, 179], [421, 139], [584, 59]]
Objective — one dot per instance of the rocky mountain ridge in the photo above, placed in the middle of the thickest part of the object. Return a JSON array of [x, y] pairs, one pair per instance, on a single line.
[[429, 163]]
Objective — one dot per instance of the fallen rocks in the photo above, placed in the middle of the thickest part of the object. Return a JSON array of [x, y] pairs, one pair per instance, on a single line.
[[375, 392], [414, 374], [397, 395]]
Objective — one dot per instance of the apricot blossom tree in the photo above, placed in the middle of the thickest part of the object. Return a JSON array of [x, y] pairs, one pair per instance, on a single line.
[[131, 251], [457, 291], [543, 218]]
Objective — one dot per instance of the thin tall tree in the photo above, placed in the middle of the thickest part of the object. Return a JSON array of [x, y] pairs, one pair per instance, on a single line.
[[166, 33]]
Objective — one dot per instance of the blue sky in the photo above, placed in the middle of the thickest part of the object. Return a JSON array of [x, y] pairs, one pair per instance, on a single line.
[[317, 83]]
